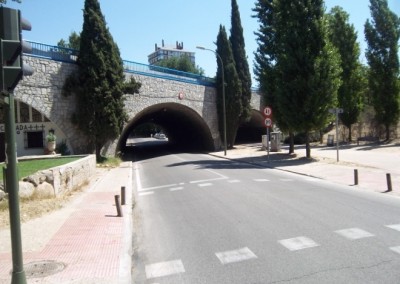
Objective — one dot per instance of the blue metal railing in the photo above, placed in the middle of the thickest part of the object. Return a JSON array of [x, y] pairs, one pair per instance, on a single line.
[[70, 55]]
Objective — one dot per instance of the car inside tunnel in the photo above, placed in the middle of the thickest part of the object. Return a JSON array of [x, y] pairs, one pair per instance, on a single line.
[[185, 130]]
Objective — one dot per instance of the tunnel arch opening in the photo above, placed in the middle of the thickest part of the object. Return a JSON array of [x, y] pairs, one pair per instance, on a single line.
[[186, 130]]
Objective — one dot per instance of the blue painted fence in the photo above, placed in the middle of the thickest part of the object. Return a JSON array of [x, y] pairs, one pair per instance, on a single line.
[[70, 55]]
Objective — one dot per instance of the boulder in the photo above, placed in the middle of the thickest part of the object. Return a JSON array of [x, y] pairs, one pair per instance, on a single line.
[[26, 189], [45, 189]]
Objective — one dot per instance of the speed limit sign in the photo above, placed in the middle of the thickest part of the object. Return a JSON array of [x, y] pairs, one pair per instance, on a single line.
[[268, 122]]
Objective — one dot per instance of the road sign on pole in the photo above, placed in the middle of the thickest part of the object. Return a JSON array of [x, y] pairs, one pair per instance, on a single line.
[[267, 111], [268, 122]]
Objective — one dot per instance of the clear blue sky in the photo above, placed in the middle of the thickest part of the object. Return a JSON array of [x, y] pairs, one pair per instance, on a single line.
[[137, 26]]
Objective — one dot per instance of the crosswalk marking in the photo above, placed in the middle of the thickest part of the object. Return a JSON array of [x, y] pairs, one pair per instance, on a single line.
[[394, 227], [204, 184], [162, 269], [298, 243], [235, 255], [354, 233]]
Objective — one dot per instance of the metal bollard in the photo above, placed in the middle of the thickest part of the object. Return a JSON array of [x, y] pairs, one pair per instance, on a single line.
[[389, 182], [355, 177], [122, 195], [118, 205]]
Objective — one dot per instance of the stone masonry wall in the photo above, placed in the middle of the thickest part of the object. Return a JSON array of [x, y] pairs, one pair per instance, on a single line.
[[59, 180]]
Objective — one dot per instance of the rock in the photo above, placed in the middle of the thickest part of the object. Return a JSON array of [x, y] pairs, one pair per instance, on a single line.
[[26, 189], [45, 190]]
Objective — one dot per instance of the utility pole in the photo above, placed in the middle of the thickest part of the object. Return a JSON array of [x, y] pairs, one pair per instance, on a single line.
[[12, 70]]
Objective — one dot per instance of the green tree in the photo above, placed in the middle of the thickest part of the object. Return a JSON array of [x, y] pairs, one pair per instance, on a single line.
[[242, 66], [265, 68], [181, 63], [307, 65], [233, 87], [74, 41], [382, 35], [99, 84], [350, 93]]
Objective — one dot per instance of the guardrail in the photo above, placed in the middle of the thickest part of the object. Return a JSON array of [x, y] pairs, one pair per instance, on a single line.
[[71, 55]]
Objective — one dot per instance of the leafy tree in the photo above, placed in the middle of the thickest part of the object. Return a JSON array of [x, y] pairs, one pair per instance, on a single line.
[[344, 37], [74, 41], [99, 83], [233, 87], [242, 66], [265, 68], [382, 35], [181, 63], [307, 65]]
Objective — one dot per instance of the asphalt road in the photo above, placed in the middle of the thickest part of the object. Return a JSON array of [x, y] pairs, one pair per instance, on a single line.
[[201, 219]]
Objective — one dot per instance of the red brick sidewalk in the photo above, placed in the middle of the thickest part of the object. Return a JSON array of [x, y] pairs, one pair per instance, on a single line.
[[89, 244]]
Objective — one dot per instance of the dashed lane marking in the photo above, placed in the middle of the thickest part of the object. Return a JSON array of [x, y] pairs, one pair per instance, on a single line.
[[261, 179], [394, 227], [146, 193], [298, 243], [235, 255], [354, 233], [162, 269], [204, 184], [157, 187], [176, 188], [233, 181], [396, 249]]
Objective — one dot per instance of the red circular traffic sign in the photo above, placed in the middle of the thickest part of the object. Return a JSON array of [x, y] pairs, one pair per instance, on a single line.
[[268, 122], [267, 111]]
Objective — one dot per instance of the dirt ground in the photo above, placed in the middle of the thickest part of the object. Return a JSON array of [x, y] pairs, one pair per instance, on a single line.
[[37, 206]]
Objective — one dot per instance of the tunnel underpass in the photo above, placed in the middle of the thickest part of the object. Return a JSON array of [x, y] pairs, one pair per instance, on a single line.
[[185, 129]]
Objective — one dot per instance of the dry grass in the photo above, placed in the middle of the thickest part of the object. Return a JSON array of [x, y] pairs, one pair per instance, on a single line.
[[38, 205]]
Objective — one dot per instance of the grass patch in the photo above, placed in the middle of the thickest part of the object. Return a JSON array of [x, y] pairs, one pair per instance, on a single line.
[[28, 167]]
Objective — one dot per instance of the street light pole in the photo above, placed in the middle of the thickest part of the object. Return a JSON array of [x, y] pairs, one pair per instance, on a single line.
[[223, 93]]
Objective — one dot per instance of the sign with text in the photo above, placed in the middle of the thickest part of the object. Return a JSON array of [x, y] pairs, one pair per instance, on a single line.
[[268, 116]]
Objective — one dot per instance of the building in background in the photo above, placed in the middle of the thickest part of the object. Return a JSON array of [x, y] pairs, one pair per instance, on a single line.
[[165, 52]]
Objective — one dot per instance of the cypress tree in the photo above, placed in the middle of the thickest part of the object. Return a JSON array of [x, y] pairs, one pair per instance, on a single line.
[[100, 110], [382, 35], [242, 66], [233, 102]]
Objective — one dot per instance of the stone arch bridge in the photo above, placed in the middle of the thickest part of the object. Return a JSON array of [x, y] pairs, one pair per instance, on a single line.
[[183, 104]]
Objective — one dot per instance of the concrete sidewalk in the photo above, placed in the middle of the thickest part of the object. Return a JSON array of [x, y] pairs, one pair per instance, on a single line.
[[372, 162], [84, 242]]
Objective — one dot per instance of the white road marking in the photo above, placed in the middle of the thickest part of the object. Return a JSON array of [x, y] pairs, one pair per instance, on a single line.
[[396, 249], [162, 269], [235, 255], [176, 188], [233, 181], [204, 184], [138, 181], [261, 179], [157, 187], [298, 243], [394, 227], [146, 193], [354, 233]]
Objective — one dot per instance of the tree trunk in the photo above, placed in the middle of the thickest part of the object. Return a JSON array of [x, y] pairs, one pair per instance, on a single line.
[[387, 126], [98, 155], [308, 148], [350, 133], [291, 142]]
